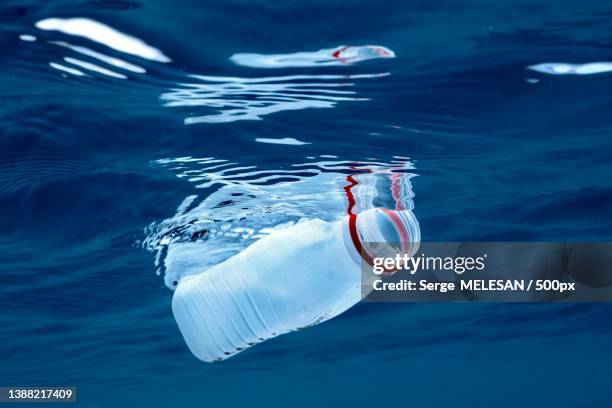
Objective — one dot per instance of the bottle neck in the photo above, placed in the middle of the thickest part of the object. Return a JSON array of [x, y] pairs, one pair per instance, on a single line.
[[379, 232]]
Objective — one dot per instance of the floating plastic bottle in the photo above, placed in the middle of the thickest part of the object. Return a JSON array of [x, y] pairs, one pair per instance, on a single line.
[[294, 278]]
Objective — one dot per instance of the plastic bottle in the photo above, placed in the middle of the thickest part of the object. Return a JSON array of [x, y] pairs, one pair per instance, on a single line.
[[294, 278]]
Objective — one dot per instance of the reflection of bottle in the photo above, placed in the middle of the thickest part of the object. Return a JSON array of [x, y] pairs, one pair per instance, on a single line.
[[350, 54], [293, 278], [342, 55]]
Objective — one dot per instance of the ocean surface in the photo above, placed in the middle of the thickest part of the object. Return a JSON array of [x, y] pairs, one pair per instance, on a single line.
[[145, 140]]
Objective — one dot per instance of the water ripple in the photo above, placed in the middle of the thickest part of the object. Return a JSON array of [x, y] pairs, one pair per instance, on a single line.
[[251, 98], [241, 204]]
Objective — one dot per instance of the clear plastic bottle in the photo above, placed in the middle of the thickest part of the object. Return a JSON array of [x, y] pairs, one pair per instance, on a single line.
[[294, 278]]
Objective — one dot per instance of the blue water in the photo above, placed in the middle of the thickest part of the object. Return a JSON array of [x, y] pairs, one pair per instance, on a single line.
[[103, 171]]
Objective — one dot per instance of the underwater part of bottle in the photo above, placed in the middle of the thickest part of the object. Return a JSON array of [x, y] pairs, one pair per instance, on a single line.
[[294, 278]]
